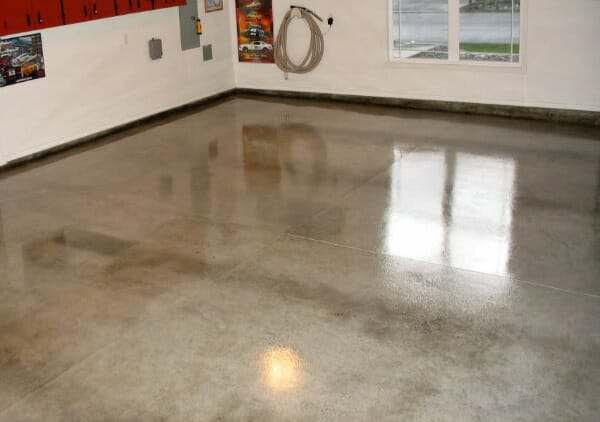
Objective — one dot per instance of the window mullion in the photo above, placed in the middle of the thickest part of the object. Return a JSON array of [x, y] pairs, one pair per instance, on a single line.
[[453, 30]]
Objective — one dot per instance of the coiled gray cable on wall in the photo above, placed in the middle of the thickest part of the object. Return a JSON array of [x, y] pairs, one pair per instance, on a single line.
[[316, 49]]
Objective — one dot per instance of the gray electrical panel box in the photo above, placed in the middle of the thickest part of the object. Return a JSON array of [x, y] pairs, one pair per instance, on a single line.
[[207, 52], [188, 15], [156, 49]]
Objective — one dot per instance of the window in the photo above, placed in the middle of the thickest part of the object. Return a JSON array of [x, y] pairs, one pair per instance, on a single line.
[[421, 29], [456, 30]]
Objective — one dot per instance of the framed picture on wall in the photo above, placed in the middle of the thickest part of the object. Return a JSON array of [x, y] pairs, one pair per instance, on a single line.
[[213, 5]]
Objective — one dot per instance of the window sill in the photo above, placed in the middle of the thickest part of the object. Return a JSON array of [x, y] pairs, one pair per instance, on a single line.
[[460, 65]]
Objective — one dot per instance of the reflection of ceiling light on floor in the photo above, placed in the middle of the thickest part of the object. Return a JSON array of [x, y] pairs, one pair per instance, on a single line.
[[282, 369]]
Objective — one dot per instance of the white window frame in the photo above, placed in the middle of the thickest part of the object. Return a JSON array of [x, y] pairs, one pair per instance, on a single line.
[[454, 41]]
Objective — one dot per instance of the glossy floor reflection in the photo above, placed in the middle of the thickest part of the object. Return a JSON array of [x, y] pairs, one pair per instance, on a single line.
[[289, 260]]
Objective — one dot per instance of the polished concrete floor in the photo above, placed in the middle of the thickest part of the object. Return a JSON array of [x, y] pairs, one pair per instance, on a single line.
[[264, 260]]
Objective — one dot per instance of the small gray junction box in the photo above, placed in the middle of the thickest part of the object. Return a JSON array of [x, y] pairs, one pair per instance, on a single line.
[[156, 49]]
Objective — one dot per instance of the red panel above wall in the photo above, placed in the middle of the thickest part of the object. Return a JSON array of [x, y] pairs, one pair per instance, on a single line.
[[29, 15], [46, 13], [161, 4], [76, 11], [15, 16], [84, 10], [133, 6], [102, 9]]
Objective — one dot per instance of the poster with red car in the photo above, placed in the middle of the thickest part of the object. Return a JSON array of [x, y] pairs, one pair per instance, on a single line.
[[255, 31], [21, 59]]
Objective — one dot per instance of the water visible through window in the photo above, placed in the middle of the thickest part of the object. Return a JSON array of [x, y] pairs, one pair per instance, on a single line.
[[420, 29], [490, 30]]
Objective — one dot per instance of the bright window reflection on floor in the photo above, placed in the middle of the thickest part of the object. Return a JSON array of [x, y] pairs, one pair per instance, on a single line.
[[451, 208], [415, 226], [482, 202]]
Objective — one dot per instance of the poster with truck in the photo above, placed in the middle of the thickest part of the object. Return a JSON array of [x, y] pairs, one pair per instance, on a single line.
[[21, 59], [255, 31]]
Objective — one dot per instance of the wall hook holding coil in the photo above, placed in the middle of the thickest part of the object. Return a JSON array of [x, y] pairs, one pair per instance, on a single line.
[[316, 48]]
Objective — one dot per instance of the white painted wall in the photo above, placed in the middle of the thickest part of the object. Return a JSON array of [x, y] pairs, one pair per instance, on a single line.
[[562, 59], [99, 75]]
